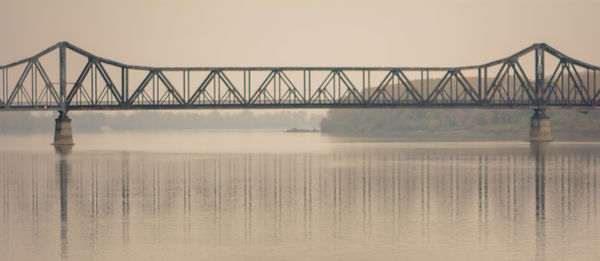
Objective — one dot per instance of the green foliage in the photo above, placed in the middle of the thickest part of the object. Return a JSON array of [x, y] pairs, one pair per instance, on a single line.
[[485, 121]]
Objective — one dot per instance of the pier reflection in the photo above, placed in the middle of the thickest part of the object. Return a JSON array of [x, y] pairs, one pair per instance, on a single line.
[[63, 149], [540, 151], [63, 172], [119, 203]]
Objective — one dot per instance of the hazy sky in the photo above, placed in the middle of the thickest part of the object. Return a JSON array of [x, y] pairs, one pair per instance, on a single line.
[[300, 33], [296, 33]]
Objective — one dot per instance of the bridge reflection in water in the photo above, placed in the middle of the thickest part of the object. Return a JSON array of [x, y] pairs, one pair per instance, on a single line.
[[399, 203]]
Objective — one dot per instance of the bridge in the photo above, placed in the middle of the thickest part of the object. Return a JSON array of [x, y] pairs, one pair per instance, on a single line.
[[65, 77]]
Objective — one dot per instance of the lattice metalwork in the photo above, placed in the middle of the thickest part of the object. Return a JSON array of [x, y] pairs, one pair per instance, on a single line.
[[81, 80]]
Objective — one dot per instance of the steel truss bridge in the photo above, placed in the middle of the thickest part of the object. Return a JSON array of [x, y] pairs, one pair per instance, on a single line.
[[65, 77]]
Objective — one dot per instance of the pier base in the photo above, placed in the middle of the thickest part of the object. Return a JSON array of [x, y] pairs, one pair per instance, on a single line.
[[539, 130], [63, 134]]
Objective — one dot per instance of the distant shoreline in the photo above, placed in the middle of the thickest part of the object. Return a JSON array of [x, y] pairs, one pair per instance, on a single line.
[[299, 130], [465, 136], [458, 124]]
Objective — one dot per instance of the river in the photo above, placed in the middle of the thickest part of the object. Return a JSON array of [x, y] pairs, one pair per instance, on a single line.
[[270, 195]]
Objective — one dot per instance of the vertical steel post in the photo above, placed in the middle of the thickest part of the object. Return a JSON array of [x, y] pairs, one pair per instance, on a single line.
[[393, 87], [363, 86], [309, 85], [94, 89], [369, 83], [124, 85], [4, 85], [539, 73], [479, 83], [485, 82], [427, 85], [422, 93], [333, 80], [249, 86], [304, 85], [183, 83], [188, 83], [276, 87], [63, 77]]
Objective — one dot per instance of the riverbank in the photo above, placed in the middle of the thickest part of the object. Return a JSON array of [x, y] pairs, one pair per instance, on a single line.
[[457, 124]]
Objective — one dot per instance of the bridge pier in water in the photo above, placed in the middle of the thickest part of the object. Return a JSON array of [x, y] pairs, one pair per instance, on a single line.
[[63, 133], [539, 130], [355, 88]]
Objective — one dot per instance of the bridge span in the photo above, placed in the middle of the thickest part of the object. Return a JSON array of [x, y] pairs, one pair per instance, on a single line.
[[65, 77]]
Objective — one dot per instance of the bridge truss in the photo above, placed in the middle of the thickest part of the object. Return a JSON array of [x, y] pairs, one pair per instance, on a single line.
[[65, 77]]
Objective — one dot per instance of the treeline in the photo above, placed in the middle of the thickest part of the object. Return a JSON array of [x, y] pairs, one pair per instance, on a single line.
[[458, 123], [26, 122]]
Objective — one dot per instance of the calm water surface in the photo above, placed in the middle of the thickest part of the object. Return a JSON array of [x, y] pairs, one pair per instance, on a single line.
[[295, 196]]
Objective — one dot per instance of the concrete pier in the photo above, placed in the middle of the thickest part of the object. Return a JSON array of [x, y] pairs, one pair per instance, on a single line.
[[63, 134], [539, 130]]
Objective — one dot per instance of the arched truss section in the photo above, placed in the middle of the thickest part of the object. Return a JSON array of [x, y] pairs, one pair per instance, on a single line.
[[66, 77]]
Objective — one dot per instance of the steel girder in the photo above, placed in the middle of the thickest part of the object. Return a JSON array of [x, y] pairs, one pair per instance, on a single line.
[[26, 85]]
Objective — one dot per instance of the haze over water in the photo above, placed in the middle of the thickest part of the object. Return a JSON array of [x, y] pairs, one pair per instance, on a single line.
[[267, 195], [270, 195]]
